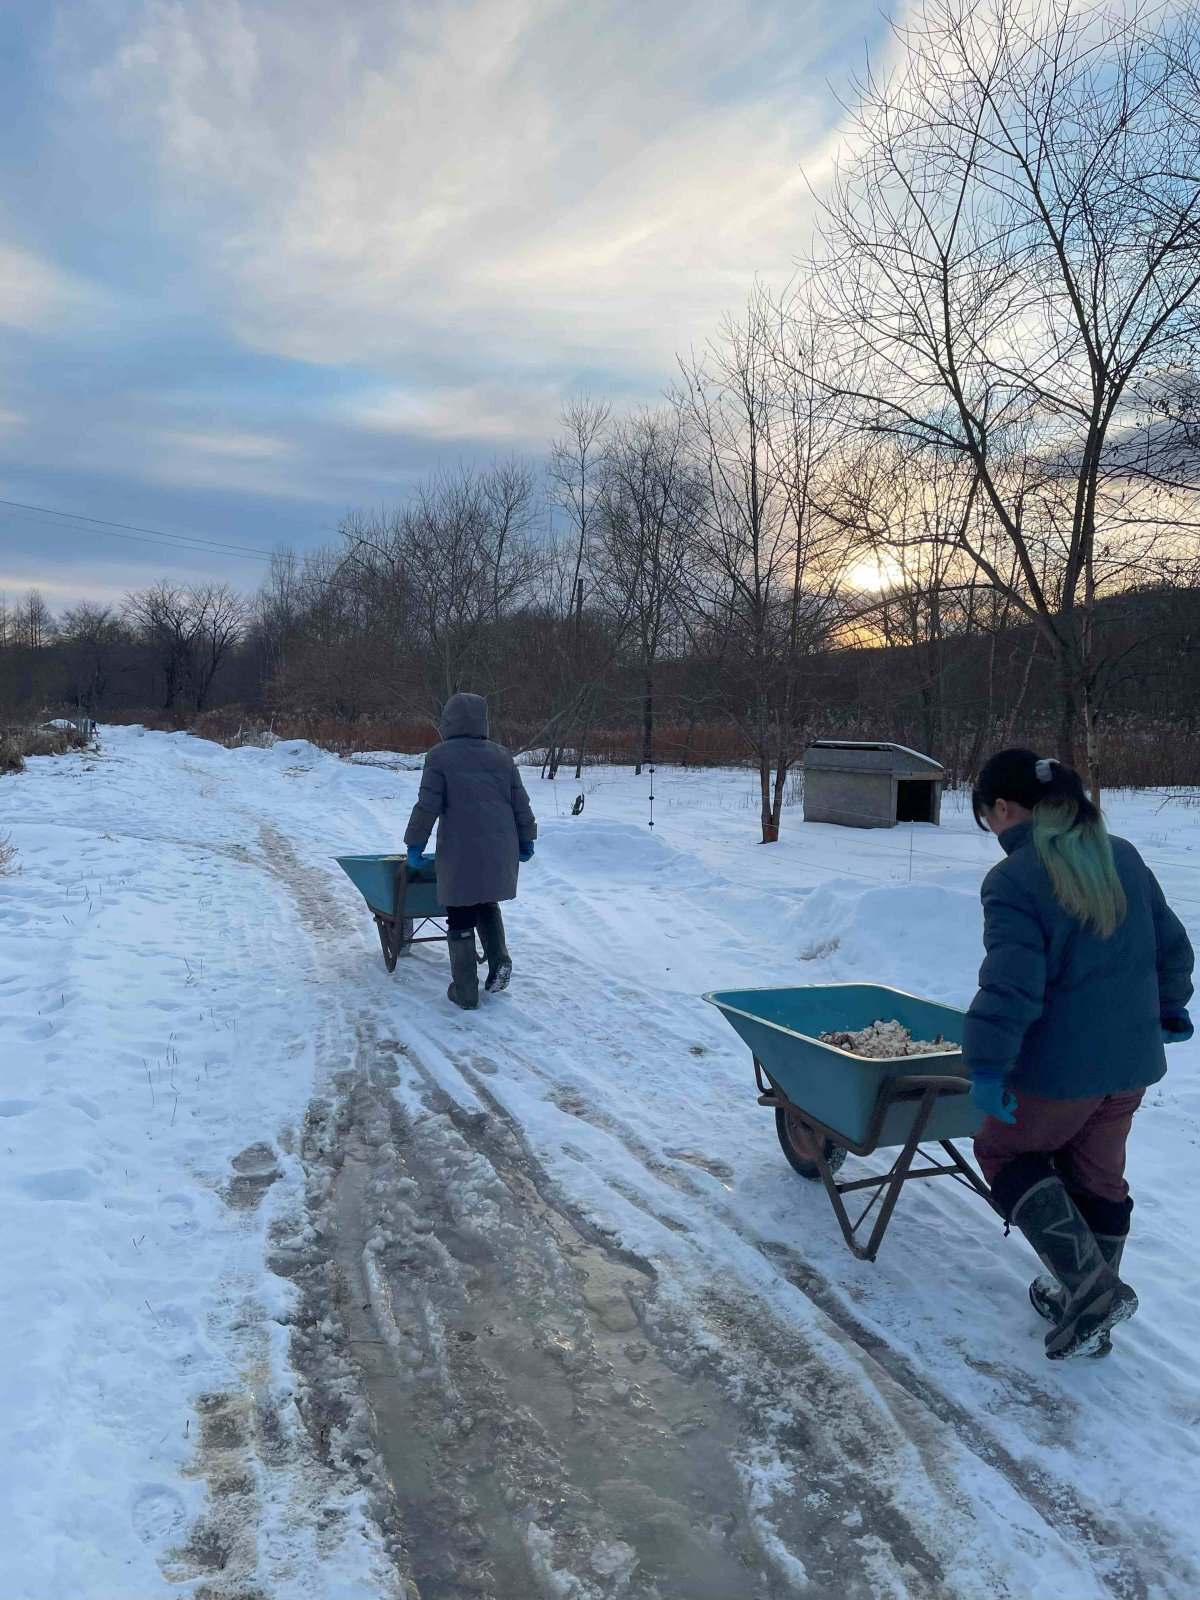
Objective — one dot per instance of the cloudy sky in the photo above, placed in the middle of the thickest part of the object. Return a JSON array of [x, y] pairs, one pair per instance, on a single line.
[[265, 260]]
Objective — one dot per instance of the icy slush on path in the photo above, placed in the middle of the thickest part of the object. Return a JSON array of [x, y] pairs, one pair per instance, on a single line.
[[255, 1188]]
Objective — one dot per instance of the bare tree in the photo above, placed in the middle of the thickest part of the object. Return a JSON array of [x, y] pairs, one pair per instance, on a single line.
[[647, 522], [447, 568], [33, 623], [576, 477], [95, 639], [1011, 257], [218, 618], [763, 428], [187, 633]]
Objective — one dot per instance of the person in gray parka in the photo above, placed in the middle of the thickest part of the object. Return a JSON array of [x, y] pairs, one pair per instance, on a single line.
[[1088, 973], [472, 790]]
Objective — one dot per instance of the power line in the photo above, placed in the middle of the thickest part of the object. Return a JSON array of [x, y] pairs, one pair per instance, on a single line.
[[133, 538], [132, 530]]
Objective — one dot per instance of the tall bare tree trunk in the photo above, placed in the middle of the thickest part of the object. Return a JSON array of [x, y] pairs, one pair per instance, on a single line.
[[780, 788], [1092, 746], [1068, 714], [581, 750], [647, 755], [686, 758], [770, 827]]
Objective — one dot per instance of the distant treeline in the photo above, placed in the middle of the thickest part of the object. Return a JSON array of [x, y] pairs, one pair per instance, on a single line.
[[223, 673]]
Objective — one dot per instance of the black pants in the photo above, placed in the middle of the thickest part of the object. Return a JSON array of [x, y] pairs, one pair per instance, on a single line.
[[464, 919]]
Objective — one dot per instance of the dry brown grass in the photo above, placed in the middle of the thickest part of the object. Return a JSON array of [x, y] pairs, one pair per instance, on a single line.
[[16, 744], [1139, 752], [8, 856]]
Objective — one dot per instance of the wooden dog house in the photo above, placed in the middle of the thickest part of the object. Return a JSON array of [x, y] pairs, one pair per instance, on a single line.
[[870, 784]]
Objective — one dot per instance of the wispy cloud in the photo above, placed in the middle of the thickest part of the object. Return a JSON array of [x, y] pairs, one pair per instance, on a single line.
[[507, 416], [35, 295], [231, 445], [532, 183]]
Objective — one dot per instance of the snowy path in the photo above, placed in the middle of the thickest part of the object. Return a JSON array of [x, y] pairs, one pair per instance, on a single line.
[[613, 1345]]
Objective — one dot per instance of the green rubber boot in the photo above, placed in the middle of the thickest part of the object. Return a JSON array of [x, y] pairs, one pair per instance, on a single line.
[[464, 989], [1109, 1222], [491, 937], [1095, 1299]]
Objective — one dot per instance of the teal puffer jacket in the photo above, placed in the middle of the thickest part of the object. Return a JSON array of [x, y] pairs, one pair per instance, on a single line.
[[1060, 1011]]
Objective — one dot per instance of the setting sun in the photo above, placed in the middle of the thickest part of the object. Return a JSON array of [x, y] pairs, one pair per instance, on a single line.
[[876, 574]]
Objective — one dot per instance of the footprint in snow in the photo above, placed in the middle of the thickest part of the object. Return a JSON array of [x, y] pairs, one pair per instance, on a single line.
[[66, 1183], [719, 1170], [254, 1171], [88, 1107], [157, 1513], [176, 1210]]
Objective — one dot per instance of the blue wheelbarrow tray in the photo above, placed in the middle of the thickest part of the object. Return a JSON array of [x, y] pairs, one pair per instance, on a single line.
[[828, 1101], [376, 878], [402, 899]]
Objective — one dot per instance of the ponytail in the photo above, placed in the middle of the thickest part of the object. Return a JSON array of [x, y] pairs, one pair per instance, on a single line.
[[1068, 833]]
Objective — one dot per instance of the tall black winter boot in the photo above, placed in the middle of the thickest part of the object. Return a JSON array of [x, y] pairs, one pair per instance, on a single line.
[[464, 990], [1109, 1222], [1096, 1299], [491, 937]]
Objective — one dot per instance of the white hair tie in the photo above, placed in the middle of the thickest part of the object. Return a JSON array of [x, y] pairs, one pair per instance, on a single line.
[[1043, 769]]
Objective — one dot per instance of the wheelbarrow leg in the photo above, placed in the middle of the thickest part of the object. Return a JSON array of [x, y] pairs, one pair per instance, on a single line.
[[889, 1185], [900, 1172], [835, 1196]]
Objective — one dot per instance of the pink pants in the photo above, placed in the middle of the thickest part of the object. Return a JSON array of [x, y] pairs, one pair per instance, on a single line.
[[1085, 1138]]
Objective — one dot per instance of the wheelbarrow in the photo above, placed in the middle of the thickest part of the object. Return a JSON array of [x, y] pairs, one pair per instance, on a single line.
[[403, 900], [829, 1103]]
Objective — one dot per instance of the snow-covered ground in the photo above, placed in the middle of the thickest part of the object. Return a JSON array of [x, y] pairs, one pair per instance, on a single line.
[[192, 998]]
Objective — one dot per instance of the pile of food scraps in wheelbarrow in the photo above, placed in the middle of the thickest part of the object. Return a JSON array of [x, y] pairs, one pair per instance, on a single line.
[[883, 1041]]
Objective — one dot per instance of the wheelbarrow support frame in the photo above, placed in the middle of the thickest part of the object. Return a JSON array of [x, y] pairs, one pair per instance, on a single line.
[[392, 935], [924, 1088]]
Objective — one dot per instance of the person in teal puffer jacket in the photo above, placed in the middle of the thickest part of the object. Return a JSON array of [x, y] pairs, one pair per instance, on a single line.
[[1087, 973]]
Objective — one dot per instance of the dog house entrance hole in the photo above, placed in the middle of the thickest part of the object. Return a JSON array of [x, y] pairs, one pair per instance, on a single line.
[[914, 800]]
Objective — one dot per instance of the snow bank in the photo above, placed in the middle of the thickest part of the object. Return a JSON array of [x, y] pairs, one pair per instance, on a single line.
[[154, 1055], [921, 937]]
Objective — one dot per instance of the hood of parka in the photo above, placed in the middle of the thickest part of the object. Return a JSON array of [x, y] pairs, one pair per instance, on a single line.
[[465, 716]]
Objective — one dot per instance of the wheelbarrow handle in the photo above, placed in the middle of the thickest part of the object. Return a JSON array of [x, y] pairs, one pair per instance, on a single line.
[[942, 1083]]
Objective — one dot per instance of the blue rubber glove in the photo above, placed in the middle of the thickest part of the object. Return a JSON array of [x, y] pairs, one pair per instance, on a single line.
[[990, 1095], [1177, 1026], [525, 853], [416, 858]]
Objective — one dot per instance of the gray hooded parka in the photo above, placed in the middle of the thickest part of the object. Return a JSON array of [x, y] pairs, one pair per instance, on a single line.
[[471, 788]]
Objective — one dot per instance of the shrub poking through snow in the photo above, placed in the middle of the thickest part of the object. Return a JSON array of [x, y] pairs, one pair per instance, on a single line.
[[883, 1040], [8, 856], [19, 743]]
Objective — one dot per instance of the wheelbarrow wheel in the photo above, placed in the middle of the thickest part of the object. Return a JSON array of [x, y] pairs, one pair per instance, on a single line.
[[800, 1144], [395, 939]]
